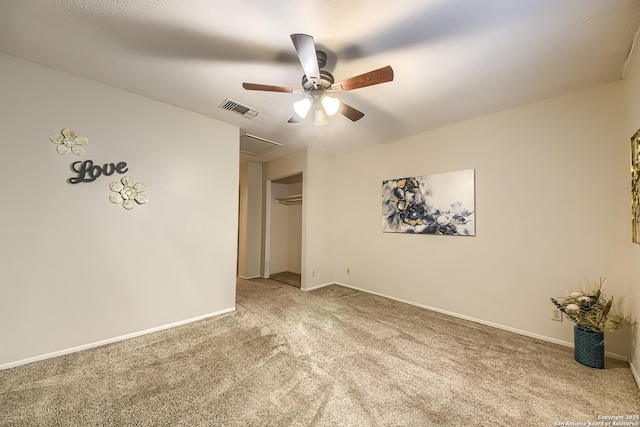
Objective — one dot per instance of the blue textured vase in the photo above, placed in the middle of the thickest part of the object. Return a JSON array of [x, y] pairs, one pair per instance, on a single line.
[[589, 347]]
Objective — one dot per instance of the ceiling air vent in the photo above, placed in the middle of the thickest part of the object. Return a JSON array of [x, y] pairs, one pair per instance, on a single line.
[[230, 105], [255, 146]]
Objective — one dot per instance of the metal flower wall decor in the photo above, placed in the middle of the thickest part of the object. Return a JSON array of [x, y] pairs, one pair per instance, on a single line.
[[69, 142], [128, 192], [125, 191]]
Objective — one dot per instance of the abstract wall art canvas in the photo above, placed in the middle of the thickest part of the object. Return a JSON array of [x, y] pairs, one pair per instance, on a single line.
[[441, 203], [635, 187]]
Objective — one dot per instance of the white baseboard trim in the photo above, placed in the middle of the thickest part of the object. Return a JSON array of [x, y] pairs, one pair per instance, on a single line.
[[111, 340], [248, 278], [483, 322], [635, 374], [321, 286]]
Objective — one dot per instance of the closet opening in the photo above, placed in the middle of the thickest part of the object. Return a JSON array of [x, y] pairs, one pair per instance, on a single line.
[[284, 254]]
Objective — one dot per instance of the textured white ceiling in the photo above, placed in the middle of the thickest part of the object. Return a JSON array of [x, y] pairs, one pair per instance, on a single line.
[[453, 59]]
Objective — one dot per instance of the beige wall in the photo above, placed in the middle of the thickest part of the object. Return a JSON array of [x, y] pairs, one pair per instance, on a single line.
[[78, 270], [250, 220], [552, 208], [320, 219], [631, 84]]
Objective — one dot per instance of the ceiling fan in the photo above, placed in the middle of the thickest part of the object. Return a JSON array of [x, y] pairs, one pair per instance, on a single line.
[[318, 84]]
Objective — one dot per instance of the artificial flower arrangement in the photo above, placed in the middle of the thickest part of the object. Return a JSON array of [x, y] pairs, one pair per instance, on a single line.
[[590, 309]]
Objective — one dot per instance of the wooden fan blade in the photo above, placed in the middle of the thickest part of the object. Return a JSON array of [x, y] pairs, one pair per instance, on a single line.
[[306, 49], [381, 75], [269, 88], [350, 113]]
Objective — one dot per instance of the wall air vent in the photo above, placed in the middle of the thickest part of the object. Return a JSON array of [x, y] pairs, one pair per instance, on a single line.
[[255, 146], [245, 111]]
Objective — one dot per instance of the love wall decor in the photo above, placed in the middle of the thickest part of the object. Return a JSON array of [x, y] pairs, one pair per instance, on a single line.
[[88, 172], [126, 191]]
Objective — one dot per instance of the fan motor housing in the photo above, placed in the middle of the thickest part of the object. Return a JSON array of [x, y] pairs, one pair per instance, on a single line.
[[326, 78]]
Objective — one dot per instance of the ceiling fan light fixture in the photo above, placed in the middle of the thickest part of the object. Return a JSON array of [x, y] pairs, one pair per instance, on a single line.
[[316, 81], [320, 118], [330, 104], [302, 107]]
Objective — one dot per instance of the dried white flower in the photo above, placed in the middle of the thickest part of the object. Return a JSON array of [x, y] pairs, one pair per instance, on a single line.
[[572, 308]]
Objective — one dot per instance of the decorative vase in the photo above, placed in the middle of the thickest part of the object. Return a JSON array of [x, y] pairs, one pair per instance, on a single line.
[[589, 346]]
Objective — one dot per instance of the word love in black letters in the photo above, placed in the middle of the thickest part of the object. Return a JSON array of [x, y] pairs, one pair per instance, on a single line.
[[88, 172]]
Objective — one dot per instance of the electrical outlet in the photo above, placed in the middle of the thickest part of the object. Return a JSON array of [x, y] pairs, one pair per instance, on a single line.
[[556, 314], [348, 270]]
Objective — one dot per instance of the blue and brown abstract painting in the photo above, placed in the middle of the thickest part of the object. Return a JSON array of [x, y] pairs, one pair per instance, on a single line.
[[441, 203]]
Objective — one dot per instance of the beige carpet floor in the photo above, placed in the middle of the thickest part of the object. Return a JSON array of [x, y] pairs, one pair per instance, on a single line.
[[330, 357]]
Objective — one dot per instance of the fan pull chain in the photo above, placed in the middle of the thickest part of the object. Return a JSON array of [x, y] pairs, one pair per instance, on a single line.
[[319, 129]]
